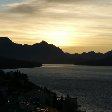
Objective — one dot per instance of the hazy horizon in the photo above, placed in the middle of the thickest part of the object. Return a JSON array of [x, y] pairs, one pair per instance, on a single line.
[[73, 25], [71, 49]]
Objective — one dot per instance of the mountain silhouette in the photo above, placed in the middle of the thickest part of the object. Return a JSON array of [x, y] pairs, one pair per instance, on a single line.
[[39, 52], [49, 53], [5, 41]]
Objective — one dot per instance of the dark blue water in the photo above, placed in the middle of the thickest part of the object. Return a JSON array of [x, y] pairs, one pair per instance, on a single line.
[[92, 85]]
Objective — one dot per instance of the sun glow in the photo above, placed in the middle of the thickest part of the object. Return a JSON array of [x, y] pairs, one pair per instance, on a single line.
[[59, 36]]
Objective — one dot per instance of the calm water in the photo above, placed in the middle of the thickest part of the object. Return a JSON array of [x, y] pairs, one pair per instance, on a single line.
[[92, 85]]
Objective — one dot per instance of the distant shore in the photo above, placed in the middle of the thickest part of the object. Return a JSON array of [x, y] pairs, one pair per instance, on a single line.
[[8, 63]]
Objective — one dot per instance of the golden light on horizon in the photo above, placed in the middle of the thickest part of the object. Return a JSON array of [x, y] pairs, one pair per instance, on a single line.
[[57, 35], [69, 23]]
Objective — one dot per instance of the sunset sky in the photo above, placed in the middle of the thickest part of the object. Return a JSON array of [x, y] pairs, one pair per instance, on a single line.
[[73, 25]]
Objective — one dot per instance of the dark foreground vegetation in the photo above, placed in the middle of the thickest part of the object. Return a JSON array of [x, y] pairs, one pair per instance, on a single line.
[[18, 94]]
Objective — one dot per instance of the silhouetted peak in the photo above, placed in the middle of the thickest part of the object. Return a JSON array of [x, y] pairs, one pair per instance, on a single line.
[[43, 42], [91, 52], [109, 53], [5, 40]]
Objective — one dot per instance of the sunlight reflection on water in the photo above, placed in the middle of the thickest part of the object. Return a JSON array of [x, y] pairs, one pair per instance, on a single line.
[[92, 85]]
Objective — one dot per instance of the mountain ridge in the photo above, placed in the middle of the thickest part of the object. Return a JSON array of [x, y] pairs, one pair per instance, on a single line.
[[39, 52], [50, 54]]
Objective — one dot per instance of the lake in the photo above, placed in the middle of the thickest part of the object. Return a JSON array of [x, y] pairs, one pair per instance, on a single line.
[[92, 85]]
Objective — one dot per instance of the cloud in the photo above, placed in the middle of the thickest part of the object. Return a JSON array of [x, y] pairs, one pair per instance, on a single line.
[[23, 8], [43, 6], [62, 8], [27, 7], [34, 17]]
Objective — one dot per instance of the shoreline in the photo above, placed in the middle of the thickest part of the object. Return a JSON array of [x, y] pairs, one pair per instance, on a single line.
[[23, 95]]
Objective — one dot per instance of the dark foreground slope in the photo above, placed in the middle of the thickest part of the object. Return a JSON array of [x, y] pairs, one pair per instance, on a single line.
[[6, 63], [18, 94]]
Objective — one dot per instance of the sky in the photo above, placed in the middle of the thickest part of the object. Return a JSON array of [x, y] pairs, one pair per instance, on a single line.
[[73, 25]]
